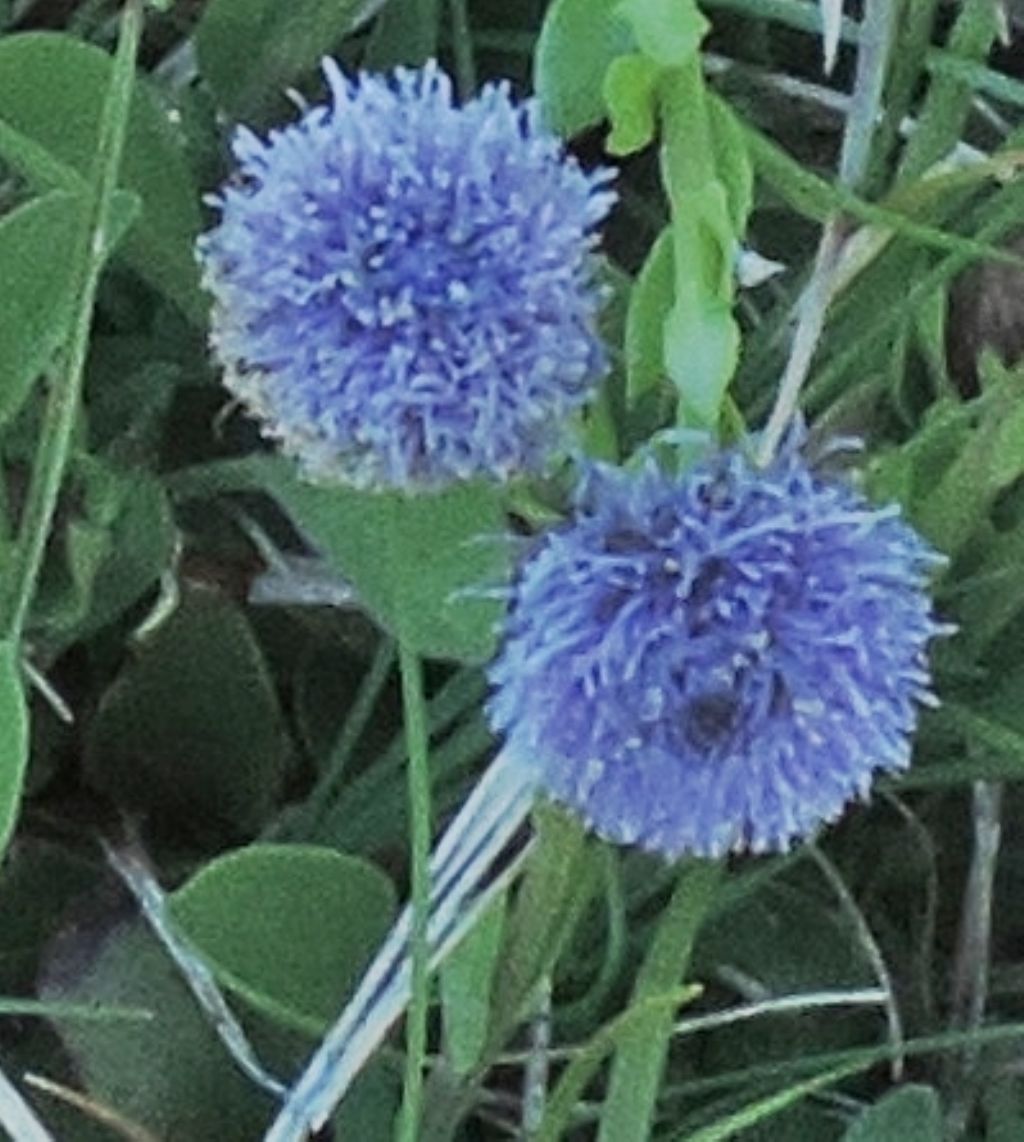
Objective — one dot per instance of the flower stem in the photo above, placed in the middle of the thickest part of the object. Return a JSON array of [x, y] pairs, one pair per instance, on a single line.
[[640, 1059], [415, 716], [326, 788], [89, 256], [974, 952], [462, 46]]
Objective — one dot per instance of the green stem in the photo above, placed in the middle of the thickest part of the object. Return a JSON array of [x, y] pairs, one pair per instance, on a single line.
[[415, 716], [556, 886], [576, 1017], [640, 1058], [62, 402], [916, 27], [947, 105], [462, 46], [327, 787]]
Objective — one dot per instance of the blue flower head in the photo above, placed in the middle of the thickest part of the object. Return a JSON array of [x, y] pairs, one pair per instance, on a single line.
[[404, 289], [720, 661]]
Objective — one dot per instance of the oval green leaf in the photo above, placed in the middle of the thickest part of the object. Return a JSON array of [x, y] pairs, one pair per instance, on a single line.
[[191, 731], [288, 927], [911, 1111]]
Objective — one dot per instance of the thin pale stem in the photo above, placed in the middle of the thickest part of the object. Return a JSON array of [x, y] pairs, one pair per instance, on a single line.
[[877, 38], [779, 1005], [460, 868], [90, 1107], [536, 1073], [813, 307], [130, 865], [972, 966], [873, 954], [17, 1117]]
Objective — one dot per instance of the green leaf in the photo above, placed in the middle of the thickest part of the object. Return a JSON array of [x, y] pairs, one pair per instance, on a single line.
[[37, 301], [963, 456], [107, 555], [52, 89], [35, 316], [630, 91], [410, 557], [1003, 1102], [405, 32], [573, 1081], [810, 948], [733, 165], [579, 41], [38, 882], [288, 927], [419, 563], [191, 731], [760, 1110], [169, 1074], [702, 344], [669, 31], [815, 198], [559, 880], [948, 506], [911, 1111], [250, 50], [13, 739], [929, 321], [991, 593], [649, 306], [466, 980], [142, 541], [995, 721], [640, 1054]]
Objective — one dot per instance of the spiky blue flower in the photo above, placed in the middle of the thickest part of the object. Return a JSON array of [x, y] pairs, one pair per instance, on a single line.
[[404, 289], [720, 661]]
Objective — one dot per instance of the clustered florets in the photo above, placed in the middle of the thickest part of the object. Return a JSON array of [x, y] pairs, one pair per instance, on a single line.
[[720, 661], [405, 289], [405, 295]]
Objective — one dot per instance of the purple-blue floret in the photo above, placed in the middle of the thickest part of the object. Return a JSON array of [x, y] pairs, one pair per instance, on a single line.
[[720, 661], [406, 290]]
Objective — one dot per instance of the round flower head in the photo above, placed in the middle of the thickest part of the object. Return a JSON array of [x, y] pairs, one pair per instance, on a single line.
[[719, 661], [404, 289]]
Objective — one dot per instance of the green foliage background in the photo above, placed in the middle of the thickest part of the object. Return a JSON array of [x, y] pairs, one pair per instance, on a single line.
[[199, 651]]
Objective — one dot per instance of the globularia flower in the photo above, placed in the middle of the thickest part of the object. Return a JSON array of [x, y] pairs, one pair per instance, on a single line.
[[719, 661], [404, 289], [698, 664]]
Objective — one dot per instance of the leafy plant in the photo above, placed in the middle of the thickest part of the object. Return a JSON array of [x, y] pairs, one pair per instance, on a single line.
[[216, 675]]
